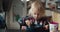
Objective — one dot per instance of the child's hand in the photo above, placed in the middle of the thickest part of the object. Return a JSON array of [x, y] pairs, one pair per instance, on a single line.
[[23, 28], [46, 27], [28, 22]]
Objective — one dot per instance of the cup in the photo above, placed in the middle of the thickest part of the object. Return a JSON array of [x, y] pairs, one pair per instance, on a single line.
[[53, 27]]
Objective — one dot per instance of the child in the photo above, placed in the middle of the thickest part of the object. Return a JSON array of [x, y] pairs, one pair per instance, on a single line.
[[36, 20]]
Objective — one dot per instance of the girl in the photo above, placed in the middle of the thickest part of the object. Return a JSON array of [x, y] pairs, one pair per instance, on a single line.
[[36, 20]]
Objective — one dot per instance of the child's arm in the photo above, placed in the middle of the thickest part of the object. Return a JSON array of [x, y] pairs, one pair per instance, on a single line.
[[46, 24], [22, 24], [25, 22]]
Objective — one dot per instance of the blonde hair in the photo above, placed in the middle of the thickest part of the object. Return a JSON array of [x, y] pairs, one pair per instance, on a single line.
[[36, 5]]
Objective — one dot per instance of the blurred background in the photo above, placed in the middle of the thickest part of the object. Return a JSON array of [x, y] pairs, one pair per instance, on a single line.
[[12, 10]]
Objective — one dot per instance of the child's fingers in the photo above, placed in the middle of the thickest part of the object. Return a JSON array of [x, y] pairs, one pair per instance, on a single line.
[[28, 22], [23, 28]]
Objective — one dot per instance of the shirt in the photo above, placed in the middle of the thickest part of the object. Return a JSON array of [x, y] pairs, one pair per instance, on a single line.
[[36, 24]]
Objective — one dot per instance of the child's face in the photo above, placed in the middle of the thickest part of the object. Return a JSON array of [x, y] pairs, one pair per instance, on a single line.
[[37, 14]]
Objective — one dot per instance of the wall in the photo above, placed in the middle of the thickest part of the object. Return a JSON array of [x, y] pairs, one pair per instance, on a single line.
[[18, 9], [9, 20], [48, 13]]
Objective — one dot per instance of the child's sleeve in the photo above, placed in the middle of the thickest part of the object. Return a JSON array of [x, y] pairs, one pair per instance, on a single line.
[[20, 21]]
